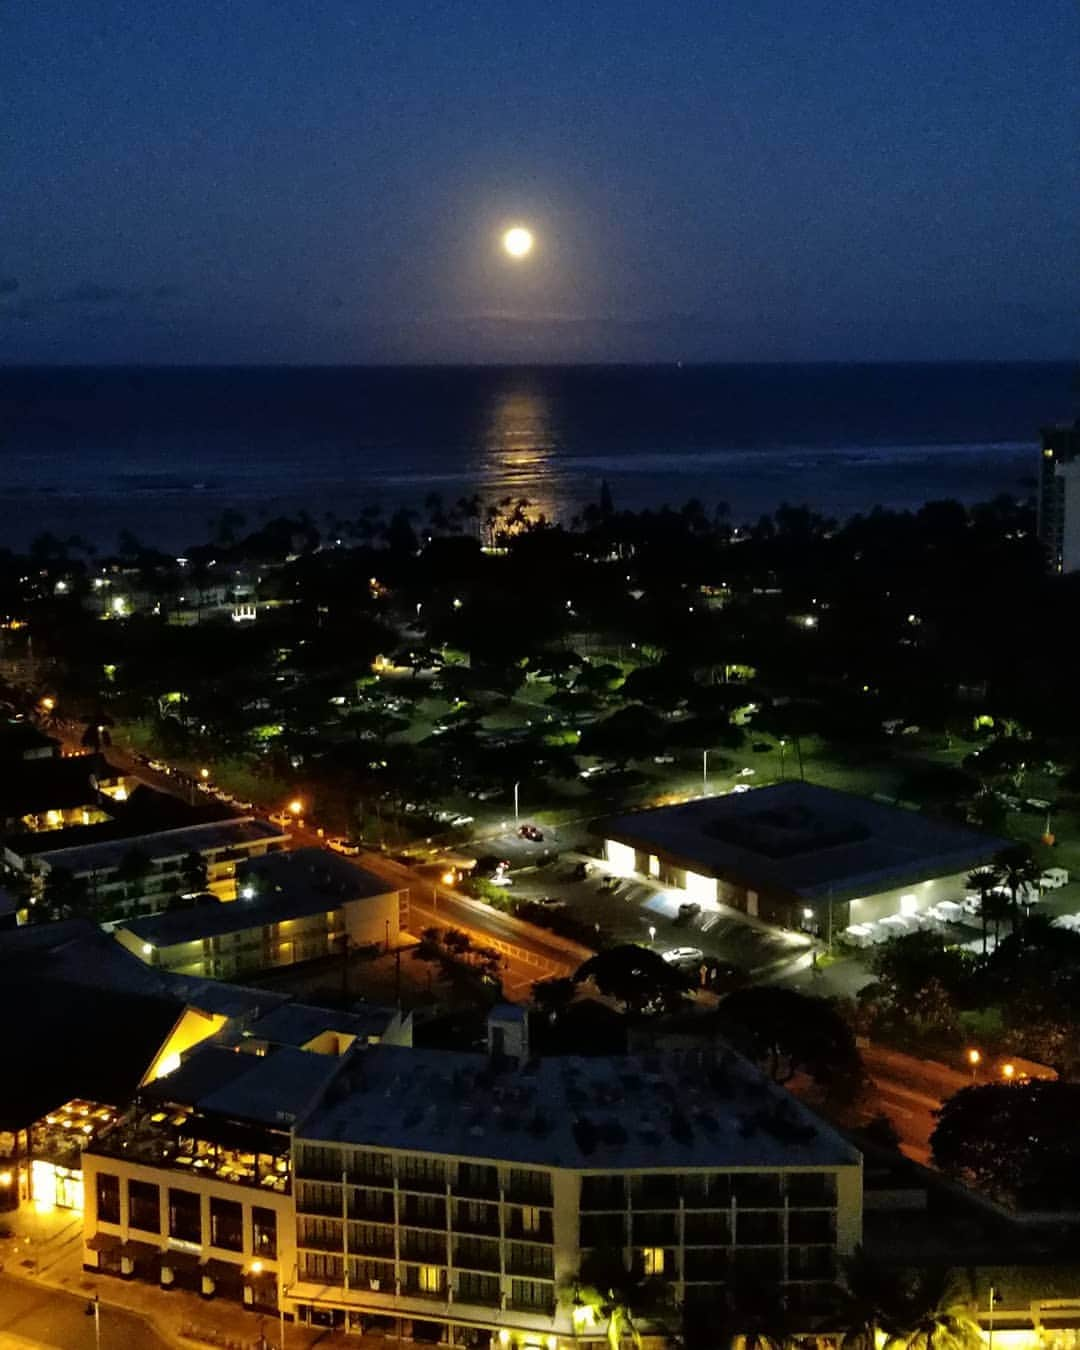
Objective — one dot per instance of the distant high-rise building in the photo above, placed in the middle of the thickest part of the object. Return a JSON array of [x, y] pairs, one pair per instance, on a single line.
[[1059, 496]]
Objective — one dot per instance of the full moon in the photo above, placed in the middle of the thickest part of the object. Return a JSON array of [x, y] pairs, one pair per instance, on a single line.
[[518, 242]]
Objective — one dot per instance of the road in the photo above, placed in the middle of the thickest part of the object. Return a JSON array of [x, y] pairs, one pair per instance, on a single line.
[[33, 1315], [909, 1091]]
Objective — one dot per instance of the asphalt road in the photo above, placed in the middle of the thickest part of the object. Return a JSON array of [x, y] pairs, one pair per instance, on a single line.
[[32, 1315], [910, 1090]]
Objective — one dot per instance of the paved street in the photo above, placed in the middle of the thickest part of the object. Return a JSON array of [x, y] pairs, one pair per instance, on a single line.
[[34, 1315]]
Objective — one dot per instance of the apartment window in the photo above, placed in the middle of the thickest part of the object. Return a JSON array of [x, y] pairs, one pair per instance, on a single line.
[[316, 1160], [370, 1237], [603, 1192], [429, 1279], [530, 1219], [144, 1206], [377, 1275], [426, 1211], [757, 1190], [602, 1230], [473, 1288], [653, 1260], [263, 1232], [185, 1215], [523, 1258], [419, 1173], [811, 1189], [318, 1197], [321, 1266], [108, 1198], [530, 1184], [531, 1294], [227, 1225], [324, 1233], [477, 1179], [373, 1167]]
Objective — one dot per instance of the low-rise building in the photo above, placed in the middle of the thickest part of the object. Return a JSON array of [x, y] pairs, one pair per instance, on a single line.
[[798, 854], [117, 887], [291, 907]]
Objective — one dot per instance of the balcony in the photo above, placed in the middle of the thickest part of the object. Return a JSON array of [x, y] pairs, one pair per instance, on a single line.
[[483, 1226]]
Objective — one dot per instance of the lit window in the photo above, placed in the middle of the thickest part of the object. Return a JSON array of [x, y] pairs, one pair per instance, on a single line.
[[530, 1219], [654, 1260], [430, 1279]]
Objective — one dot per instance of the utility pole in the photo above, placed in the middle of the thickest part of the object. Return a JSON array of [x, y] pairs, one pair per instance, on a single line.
[[516, 814], [704, 773]]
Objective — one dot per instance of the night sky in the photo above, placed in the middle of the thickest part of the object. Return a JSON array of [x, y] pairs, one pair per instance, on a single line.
[[325, 180]]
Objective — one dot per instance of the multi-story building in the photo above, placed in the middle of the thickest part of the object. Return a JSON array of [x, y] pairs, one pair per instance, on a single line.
[[291, 907], [458, 1198], [191, 1186], [161, 857], [1059, 496]]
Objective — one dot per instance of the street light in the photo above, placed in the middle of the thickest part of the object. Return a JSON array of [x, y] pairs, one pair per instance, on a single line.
[[974, 1059], [783, 746], [204, 774], [652, 932], [296, 806], [704, 773], [1008, 1072], [516, 814]]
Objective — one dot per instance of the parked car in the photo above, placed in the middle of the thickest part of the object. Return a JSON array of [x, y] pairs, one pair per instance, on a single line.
[[746, 772], [741, 787], [350, 847], [1054, 878], [684, 956], [532, 833], [548, 902], [663, 759]]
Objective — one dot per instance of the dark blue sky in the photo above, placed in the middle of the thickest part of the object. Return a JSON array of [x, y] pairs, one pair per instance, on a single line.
[[324, 180]]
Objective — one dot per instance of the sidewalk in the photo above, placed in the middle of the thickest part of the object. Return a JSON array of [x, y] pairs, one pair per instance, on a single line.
[[46, 1250]]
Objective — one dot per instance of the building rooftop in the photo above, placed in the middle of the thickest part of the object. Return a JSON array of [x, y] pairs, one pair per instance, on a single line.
[[804, 840], [298, 1024], [51, 785], [161, 845], [177, 926], [311, 872], [66, 1040], [695, 1109], [76, 951], [271, 1090], [23, 740]]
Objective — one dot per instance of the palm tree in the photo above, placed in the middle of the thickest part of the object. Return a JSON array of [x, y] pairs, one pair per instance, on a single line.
[[871, 1299], [939, 1314], [619, 1294], [983, 880], [1018, 869]]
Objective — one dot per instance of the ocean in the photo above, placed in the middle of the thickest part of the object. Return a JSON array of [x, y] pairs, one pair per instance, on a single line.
[[163, 452]]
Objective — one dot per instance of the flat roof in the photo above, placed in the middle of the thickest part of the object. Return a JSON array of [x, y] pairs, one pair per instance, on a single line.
[[52, 785], [804, 840], [689, 1109], [76, 951], [299, 1023], [176, 926], [107, 853], [271, 1089]]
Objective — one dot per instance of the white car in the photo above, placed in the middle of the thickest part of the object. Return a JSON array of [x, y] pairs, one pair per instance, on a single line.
[[746, 773], [1054, 878], [741, 787], [682, 956], [347, 846]]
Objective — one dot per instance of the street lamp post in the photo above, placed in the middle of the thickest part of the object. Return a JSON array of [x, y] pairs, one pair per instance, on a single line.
[[516, 812], [783, 747], [652, 932], [704, 773], [974, 1059]]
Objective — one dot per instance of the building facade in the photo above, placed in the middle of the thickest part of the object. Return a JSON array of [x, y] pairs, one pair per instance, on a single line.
[[485, 1234], [1059, 496]]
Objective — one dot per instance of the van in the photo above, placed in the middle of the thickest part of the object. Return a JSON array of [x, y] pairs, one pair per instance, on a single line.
[[1054, 878]]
